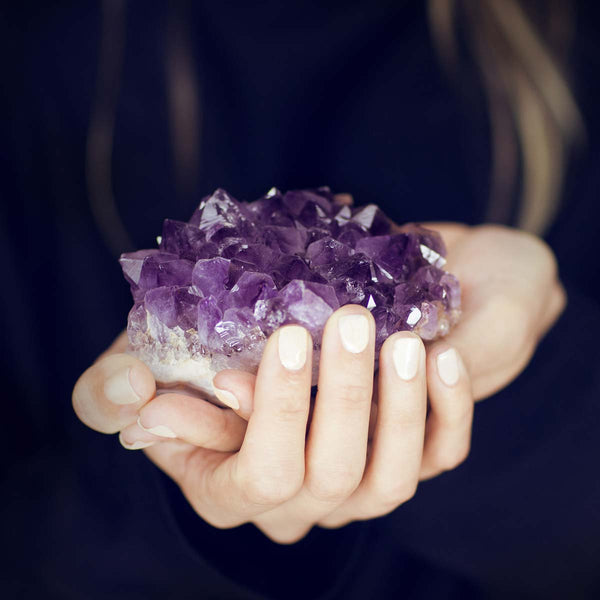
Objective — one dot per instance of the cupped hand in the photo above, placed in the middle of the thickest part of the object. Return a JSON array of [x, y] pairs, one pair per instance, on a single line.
[[511, 296], [335, 460]]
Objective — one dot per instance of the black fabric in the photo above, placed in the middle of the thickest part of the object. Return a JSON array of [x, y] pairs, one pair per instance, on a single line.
[[295, 95]]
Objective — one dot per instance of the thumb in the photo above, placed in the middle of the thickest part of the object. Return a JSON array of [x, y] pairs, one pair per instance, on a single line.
[[235, 389]]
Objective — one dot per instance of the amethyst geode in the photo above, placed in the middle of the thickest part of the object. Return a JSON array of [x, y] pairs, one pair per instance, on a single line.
[[218, 286]]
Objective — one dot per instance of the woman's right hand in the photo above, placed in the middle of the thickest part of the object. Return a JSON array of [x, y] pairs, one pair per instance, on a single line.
[[295, 468]]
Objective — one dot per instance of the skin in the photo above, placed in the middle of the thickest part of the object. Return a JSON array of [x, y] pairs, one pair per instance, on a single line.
[[363, 447]]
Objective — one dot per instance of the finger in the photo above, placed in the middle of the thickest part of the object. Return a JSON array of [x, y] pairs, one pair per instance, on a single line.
[[448, 428], [392, 473], [197, 472], [192, 420], [109, 394], [337, 441], [236, 390], [133, 437], [495, 364], [273, 449], [269, 469]]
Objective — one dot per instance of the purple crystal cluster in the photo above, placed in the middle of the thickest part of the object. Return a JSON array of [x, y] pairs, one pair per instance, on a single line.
[[219, 285]]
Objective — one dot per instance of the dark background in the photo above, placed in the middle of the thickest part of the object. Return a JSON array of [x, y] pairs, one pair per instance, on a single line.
[[294, 95]]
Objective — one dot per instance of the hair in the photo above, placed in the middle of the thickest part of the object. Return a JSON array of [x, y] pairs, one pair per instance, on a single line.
[[519, 51], [534, 119]]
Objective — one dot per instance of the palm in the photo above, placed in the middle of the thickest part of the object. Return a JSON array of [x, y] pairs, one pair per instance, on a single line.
[[510, 297]]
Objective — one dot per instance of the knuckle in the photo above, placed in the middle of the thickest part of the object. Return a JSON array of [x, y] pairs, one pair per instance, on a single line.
[[220, 520], [335, 521], [220, 430], [269, 490], [407, 417], [449, 459], [287, 537], [389, 495], [333, 487], [354, 393], [291, 407], [458, 418]]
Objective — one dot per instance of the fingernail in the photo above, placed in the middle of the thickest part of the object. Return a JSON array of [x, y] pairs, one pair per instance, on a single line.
[[354, 331], [160, 430], [293, 340], [406, 357], [118, 389], [447, 365], [135, 445], [226, 397]]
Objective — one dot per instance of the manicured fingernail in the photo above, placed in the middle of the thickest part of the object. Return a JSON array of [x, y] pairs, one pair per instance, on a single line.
[[447, 366], [226, 397], [354, 331], [118, 389], [406, 356], [135, 445], [293, 341], [160, 430]]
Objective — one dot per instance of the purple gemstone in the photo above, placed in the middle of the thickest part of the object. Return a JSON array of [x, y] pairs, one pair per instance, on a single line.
[[285, 240], [251, 287], [186, 241], [271, 314], [307, 307], [452, 289], [210, 275], [237, 330], [355, 267], [209, 314], [156, 270], [290, 267], [221, 215], [385, 324], [398, 255], [270, 210], [349, 291], [173, 305], [298, 201], [258, 255], [372, 219], [132, 263], [428, 240], [327, 251], [220, 284]]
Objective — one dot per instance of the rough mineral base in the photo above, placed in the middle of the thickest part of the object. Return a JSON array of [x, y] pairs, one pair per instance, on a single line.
[[217, 286]]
